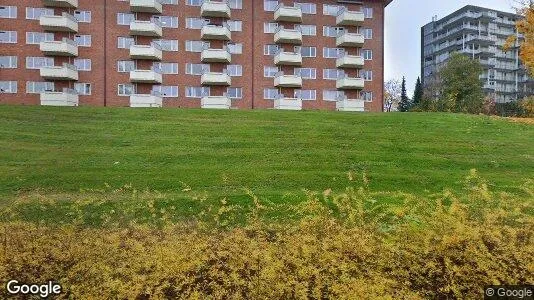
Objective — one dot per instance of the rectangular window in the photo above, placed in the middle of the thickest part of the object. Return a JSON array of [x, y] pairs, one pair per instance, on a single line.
[[167, 45], [8, 87], [8, 37], [235, 92], [195, 23], [367, 54], [167, 91], [236, 4], [193, 2], [307, 8], [333, 52], [235, 70], [332, 95], [125, 66], [331, 10], [34, 13], [235, 26], [270, 27], [83, 16], [173, 2], [124, 42], [196, 69], [38, 62], [270, 72], [35, 38], [366, 96], [8, 62], [196, 46], [167, 67], [270, 5], [306, 94], [306, 51], [83, 64], [270, 94], [167, 21], [367, 33], [235, 48], [83, 40], [125, 89], [8, 12], [333, 74], [331, 31], [33, 87], [368, 12], [367, 75], [270, 49], [306, 73], [83, 89], [125, 18], [308, 30], [197, 92]]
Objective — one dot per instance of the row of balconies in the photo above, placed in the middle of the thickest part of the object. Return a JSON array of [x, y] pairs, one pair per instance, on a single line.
[[295, 59], [294, 14], [343, 104], [282, 80], [294, 36]]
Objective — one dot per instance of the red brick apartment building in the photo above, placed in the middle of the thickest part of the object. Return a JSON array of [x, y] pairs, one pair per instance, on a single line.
[[246, 54]]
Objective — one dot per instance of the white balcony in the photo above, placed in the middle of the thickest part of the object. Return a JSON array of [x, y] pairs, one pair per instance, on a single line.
[[65, 98], [347, 39], [212, 78], [288, 36], [281, 80], [288, 103], [288, 14], [216, 102], [146, 28], [64, 72], [349, 18], [350, 105], [215, 32], [146, 76], [350, 61], [61, 3], [350, 83], [64, 47], [146, 100], [63, 23], [149, 52], [147, 6], [216, 56], [288, 58], [215, 9]]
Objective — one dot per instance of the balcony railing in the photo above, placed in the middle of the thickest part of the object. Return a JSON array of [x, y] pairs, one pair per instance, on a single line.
[[216, 32], [214, 78], [68, 97], [146, 6], [288, 36], [154, 99], [346, 17], [284, 103], [282, 80], [146, 76], [345, 104], [349, 83], [288, 58], [348, 39], [215, 9], [65, 47], [61, 3], [350, 61], [150, 28], [63, 72], [63, 23], [210, 55], [149, 52], [284, 13], [216, 102]]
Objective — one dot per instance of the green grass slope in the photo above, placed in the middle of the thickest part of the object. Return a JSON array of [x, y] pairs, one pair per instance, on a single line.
[[271, 152]]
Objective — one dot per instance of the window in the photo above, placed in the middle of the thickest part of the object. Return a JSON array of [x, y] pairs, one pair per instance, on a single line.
[[8, 62], [333, 74], [310, 30], [235, 25], [270, 5], [331, 10], [196, 69], [38, 62], [33, 87], [33, 13], [270, 27], [82, 88], [235, 48], [197, 92], [270, 49], [33, 38], [167, 45], [8, 87], [194, 2], [367, 33], [270, 94], [307, 8], [306, 73], [236, 4], [125, 66], [306, 51], [167, 21], [124, 42], [125, 89], [235, 92], [367, 54], [167, 91], [167, 67], [195, 23], [83, 40], [270, 71], [82, 16], [8, 37], [366, 96], [83, 64], [306, 94], [333, 52], [196, 46], [331, 31], [174, 2], [125, 18], [235, 70], [9, 12], [368, 12], [332, 95], [367, 75]]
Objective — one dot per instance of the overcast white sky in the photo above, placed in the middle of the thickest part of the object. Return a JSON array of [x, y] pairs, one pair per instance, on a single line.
[[404, 19]]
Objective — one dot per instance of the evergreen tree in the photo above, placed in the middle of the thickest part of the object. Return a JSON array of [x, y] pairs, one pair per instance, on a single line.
[[418, 92], [404, 104]]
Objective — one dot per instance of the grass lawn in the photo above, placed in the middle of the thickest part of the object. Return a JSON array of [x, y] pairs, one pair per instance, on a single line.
[[274, 153]]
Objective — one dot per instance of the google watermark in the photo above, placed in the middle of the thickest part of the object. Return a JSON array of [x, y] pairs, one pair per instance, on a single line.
[[523, 292], [14, 287]]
